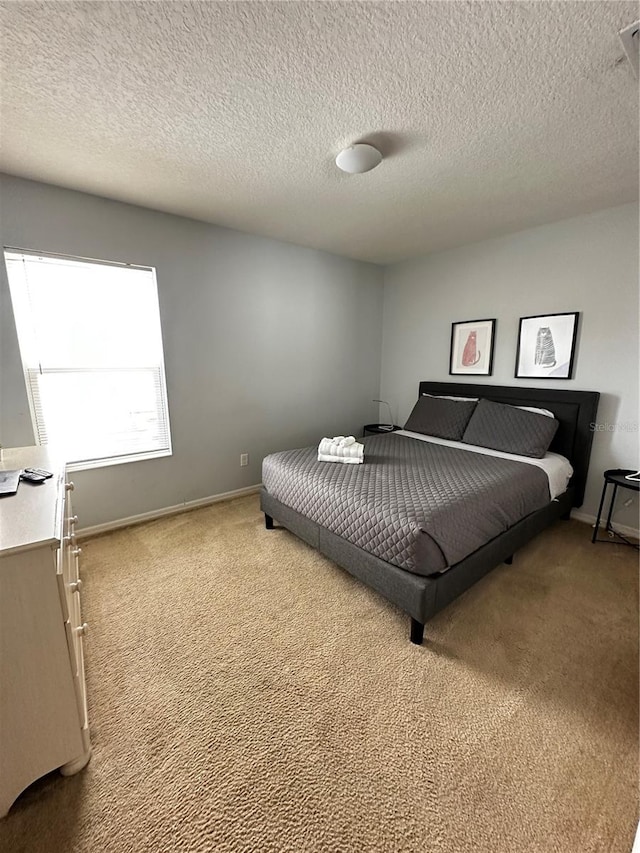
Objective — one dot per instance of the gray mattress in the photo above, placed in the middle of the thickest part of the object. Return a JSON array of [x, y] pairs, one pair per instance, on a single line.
[[417, 505]]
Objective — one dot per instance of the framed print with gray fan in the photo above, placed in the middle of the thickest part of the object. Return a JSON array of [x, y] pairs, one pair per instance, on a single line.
[[547, 346], [472, 347]]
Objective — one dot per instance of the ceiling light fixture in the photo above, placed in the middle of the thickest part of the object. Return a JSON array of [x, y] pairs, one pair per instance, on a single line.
[[358, 158]]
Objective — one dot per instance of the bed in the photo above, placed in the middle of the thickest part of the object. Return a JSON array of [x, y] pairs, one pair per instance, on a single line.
[[424, 518]]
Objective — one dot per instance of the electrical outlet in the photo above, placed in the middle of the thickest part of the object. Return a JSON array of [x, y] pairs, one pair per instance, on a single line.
[[244, 459]]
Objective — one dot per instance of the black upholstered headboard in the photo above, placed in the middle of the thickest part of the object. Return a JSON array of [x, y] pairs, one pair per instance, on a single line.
[[575, 410]]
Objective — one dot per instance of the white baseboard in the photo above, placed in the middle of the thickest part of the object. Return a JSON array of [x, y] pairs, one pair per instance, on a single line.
[[591, 520], [85, 532]]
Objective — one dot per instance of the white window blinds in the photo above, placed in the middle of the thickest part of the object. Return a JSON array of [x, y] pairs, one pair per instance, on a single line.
[[91, 347]]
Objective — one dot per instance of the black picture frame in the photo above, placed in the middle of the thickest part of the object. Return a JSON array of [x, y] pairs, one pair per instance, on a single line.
[[472, 346], [547, 346]]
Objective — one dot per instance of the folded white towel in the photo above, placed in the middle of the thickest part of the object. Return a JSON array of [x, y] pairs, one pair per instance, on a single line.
[[330, 447], [326, 445], [346, 460], [341, 449], [341, 440], [353, 451]]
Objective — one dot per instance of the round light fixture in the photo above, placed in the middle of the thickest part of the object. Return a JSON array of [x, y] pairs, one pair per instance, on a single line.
[[358, 158]]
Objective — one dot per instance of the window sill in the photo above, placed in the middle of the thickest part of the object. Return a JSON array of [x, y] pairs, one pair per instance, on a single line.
[[86, 465]]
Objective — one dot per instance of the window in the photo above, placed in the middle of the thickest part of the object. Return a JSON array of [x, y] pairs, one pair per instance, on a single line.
[[91, 347]]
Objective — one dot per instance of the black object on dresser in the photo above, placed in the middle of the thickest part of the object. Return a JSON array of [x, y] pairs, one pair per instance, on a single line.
[[377, 429], [617, 477]]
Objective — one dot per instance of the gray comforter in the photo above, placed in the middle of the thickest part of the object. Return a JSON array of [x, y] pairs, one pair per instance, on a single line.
[[418, 505]]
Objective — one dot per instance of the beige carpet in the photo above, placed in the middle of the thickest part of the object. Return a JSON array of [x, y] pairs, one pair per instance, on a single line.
[[247, 695]]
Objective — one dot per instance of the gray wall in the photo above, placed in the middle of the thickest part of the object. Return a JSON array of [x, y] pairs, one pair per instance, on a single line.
[[587, 264], [267, 345]]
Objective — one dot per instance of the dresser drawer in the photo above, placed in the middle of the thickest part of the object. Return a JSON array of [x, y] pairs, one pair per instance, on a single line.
[[68, 576], [75, 629], [69, 552], [70, 585]]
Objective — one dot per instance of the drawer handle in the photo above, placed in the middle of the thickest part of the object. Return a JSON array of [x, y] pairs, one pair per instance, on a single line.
[[75, 586], [73, 519], [76, 552], [69, 487], [81, 630]]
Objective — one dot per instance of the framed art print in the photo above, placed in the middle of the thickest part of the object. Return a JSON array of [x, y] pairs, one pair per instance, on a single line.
[[547, 346], [472, 347]]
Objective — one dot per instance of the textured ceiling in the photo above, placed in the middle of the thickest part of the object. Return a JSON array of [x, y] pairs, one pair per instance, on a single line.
[[492, 116]]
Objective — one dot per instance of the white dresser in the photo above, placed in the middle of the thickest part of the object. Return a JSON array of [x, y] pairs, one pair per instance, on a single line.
[[43, 702]]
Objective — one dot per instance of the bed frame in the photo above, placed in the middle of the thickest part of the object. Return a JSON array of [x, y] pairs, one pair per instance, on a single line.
[[422, 597]]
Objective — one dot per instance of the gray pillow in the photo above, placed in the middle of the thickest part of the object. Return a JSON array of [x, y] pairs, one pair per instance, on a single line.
[[510, 429], [440, 417]]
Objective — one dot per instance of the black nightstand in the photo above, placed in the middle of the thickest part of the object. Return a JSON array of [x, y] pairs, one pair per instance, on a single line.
[[377, 429], [617, 478]]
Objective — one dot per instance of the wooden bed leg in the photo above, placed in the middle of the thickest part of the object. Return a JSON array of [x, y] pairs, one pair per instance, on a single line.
[[417, 631], [268, 522], [509, 560]]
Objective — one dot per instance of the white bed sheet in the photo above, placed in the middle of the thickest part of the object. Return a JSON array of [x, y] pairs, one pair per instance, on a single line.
[[557, 468]]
